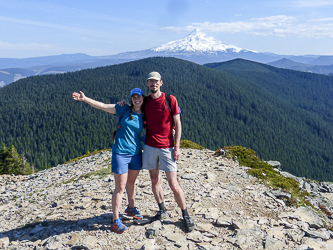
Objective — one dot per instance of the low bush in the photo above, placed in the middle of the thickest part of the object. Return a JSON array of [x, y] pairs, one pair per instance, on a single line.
[[189, 144], [266, 174]]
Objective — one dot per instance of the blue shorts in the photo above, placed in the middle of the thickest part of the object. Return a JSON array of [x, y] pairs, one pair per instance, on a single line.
[[122, 163]]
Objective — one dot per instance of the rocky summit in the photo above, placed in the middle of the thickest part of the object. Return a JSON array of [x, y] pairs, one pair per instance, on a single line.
[[69, 207]]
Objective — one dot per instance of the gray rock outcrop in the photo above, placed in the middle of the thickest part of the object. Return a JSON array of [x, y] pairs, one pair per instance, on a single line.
[[69, 207]]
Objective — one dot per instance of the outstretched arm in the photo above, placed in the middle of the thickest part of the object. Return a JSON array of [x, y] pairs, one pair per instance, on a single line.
[[99, 105]]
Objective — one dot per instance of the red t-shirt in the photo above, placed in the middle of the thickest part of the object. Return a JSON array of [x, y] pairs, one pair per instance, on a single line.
[[160, 121]]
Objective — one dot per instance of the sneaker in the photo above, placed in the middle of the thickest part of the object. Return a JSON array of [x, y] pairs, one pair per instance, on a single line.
[[189, 224], [118, 227], [160, 215], [134, 213]]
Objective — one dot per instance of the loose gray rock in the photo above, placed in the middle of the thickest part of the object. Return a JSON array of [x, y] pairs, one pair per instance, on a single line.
[[69, 207], [274, 164], [322, 233]]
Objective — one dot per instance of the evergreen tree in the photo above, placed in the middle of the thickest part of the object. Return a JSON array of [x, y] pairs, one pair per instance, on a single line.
[[12, 163]]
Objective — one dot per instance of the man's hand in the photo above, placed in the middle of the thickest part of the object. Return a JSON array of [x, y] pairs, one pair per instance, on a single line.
[[122, 103], [176, 153], [78, 97]]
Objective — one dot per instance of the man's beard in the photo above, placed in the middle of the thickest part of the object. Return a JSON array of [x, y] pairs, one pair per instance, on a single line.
[[153, 91]]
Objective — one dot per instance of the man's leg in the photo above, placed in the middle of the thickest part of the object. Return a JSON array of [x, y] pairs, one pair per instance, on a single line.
[[176, 189], [158, 193], [151, 161], [156, 185], [180, 198]]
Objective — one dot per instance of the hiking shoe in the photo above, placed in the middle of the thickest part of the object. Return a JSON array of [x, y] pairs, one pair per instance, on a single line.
[[160, 215], [189, 224], [134, 213], [118, 227]]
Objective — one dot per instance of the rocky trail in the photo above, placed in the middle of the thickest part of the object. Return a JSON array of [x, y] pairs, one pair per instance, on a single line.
[[69, 207]]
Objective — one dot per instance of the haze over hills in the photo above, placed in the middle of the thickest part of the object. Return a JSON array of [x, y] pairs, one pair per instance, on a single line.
[[277, 118], [289, 64], [196, 47], [15, 69]]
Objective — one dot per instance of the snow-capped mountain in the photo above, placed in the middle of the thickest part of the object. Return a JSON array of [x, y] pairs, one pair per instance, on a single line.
[[200, 48], [197, 47], [198, 42]]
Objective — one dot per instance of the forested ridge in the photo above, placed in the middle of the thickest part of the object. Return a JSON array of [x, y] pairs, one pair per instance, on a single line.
[[220, 108], [311, 92]]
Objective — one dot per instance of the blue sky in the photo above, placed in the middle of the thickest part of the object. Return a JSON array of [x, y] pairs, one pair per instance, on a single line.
[[32, 28]]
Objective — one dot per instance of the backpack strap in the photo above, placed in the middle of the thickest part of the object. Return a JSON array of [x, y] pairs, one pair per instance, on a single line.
[[143, 108], [167, 102]]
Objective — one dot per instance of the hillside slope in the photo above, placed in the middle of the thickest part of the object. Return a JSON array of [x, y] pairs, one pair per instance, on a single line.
[[307, 91], [219, 109]]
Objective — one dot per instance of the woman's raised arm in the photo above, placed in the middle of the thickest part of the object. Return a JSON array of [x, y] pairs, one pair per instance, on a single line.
[[99, 105]]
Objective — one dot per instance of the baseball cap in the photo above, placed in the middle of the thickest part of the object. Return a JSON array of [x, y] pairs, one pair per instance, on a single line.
[[154, 75], [136, 91]]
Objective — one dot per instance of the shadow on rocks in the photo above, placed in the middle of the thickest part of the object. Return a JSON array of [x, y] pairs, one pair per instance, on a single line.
[[44, 229]]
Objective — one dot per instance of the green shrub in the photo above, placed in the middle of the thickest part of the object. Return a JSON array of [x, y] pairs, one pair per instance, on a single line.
[[246, 157], [189, 144], [266, 173]]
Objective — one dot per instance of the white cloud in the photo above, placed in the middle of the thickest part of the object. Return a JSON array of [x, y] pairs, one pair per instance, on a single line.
[[24, 50], [69, 28], [40, 24], [280, 25], [311, 31], [329, 19], [26, 46], [241, 26]]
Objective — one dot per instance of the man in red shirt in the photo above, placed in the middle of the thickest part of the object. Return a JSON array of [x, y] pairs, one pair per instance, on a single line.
[[162, 149]]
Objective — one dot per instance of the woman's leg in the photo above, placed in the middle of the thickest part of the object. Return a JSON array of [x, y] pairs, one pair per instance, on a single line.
[[117, 196], [130, 186]]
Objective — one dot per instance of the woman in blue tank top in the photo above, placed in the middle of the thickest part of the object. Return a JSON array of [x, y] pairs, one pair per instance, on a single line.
[[126, 152]]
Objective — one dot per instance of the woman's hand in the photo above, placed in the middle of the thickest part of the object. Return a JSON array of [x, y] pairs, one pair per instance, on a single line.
[[78, 97], [122, 103]]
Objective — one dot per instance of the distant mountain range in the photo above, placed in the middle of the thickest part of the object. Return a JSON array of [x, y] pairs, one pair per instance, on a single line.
[[319, 69], [14, 69], [196, 47]]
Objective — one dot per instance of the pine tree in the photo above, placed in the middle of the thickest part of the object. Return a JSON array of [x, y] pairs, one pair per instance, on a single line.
[[12, 163]]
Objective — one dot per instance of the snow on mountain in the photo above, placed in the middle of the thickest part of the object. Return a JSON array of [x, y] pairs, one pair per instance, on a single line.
[[198, 41], [197, 47]]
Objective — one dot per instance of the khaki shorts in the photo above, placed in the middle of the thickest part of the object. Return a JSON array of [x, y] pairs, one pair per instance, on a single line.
[[160, 158]]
